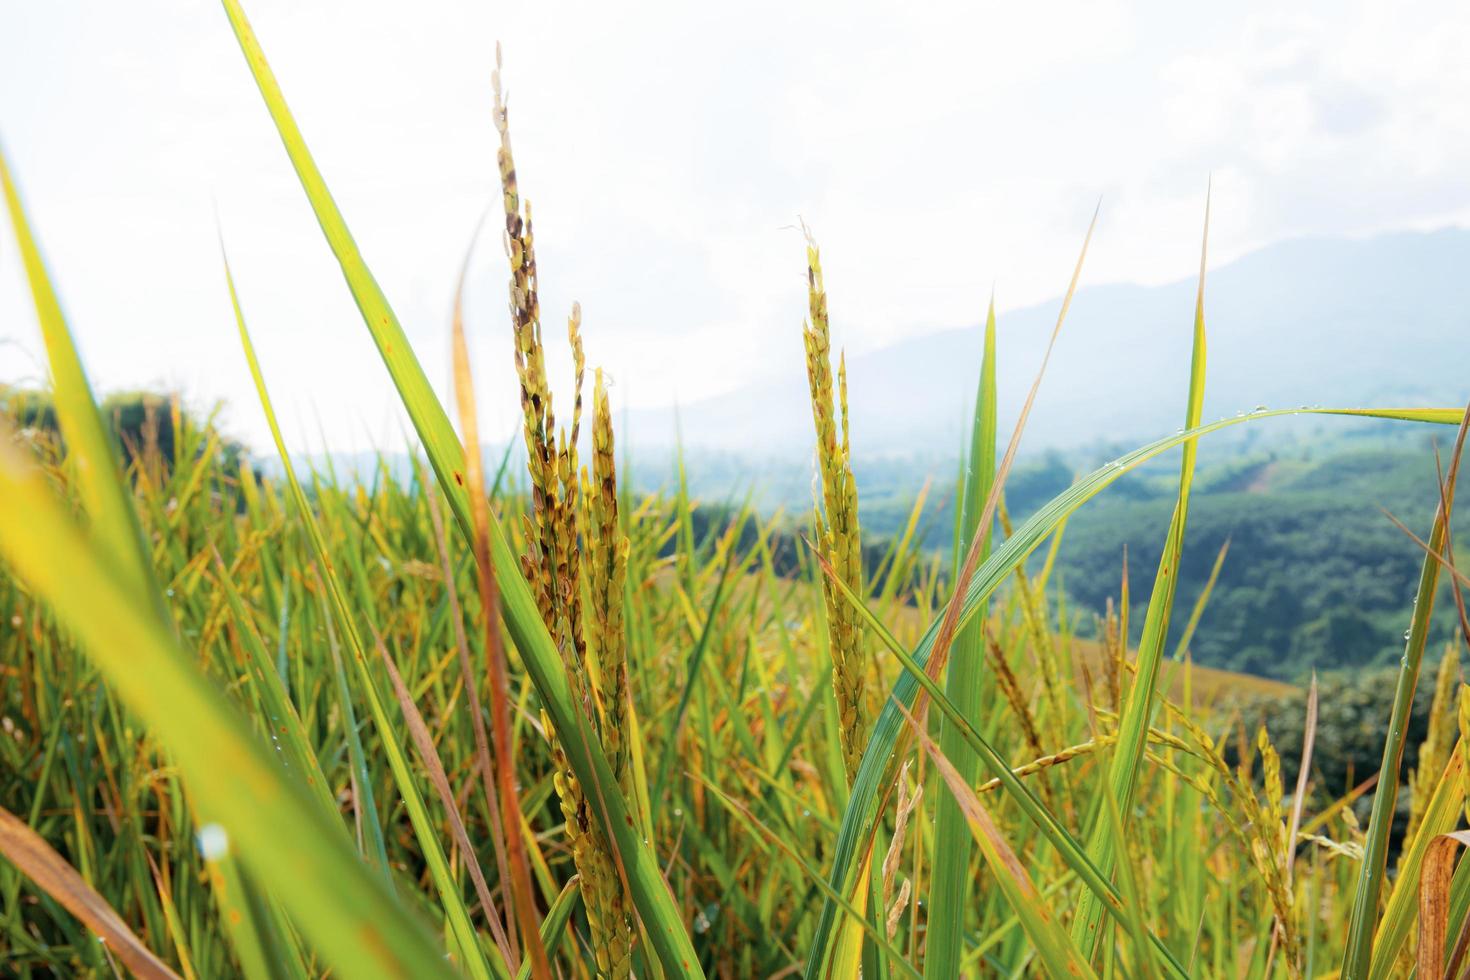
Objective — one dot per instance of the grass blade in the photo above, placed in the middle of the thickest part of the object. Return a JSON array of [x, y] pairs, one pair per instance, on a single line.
[[859, 813], [104, 493], [957, 609], [251, 923], [500, 704], [952, 838], [423, 741], [1358, 953], [1138, 711], [280, 714], [29, 852], [554, 926], [1304, 770], [472, 695], [1434, 902], [851, 912], [1440, 817], [278, 829], [1060, 955], [450, 898], [1051, 828], [661, 917]]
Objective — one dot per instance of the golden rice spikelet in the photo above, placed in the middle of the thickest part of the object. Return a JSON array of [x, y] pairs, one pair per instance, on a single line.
[[1439, 742], [579, 365], [553, 562], [1111, 657], [551, 526], [1465, 736], [1271, 776], [607, 573], [1053, 759], [1270, 850], [908, 801], [838, 535], [569, 530], [568, 600], [539, 421], [602, 886], [1010, 686]]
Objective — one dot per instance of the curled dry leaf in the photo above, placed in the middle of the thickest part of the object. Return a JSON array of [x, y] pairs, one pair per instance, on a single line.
[[50, 872]]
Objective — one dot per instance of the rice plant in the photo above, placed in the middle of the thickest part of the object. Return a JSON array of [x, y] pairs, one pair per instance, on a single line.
[[518, 721]]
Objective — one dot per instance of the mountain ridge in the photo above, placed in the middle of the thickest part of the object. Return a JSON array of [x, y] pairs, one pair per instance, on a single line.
[[1349, 322]]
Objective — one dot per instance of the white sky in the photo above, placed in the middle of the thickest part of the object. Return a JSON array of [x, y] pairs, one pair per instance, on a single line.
[[668, 150]]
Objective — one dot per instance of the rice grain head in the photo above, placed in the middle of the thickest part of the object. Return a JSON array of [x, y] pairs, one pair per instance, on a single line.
[[838, 534], [1270, 850], [553, 562], [607, 574]]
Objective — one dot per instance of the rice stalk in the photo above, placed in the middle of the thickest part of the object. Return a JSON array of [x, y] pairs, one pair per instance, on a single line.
[[649, 609], [553, 560], [838, 534]]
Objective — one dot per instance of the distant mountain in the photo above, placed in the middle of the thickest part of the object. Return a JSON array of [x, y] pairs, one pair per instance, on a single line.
[[1315, 577], [1379, 321]]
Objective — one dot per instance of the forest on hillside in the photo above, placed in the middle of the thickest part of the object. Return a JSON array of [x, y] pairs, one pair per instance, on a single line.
[[1316, 576]]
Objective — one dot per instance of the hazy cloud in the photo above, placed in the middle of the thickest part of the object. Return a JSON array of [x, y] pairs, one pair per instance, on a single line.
[[670, 149]]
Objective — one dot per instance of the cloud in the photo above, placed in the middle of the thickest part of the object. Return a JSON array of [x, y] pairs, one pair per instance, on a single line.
[[669, 149], [1344, 121]]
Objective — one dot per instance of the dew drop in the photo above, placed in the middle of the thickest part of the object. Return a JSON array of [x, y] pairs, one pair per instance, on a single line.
[[213, 842]]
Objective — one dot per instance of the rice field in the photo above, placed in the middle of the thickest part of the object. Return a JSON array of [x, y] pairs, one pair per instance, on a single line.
[[508, 719]]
